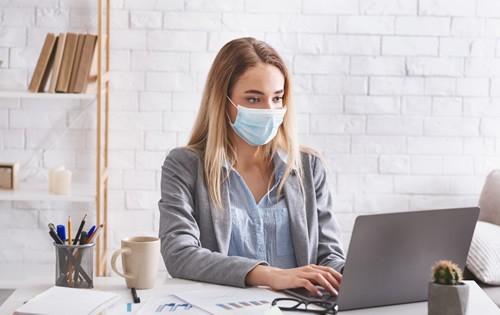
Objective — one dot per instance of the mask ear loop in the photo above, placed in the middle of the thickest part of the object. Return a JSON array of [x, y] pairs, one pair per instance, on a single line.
[[231, 101]]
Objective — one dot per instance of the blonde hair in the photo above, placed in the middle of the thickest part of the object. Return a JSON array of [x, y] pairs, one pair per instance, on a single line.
[[210, 134]]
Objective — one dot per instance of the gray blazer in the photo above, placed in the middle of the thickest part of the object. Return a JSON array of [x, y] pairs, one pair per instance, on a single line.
[[195, 235]]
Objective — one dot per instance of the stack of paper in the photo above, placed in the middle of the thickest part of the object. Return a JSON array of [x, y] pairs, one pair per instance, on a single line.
[[64, 301]]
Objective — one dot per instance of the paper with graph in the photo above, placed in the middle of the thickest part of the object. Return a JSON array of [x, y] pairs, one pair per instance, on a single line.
[[169, 304], [229, 300]]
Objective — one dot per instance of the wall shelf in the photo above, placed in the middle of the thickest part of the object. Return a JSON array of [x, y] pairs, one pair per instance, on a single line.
[[40, 192], [26, 94]]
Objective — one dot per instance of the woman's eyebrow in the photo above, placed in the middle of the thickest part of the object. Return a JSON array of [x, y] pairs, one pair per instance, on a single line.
[[254, 92], [261, 93]]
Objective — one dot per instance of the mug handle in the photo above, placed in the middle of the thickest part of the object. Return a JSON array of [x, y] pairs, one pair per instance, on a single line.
[[117, 252]]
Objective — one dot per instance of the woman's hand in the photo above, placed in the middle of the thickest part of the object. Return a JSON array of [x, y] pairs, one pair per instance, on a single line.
[[306, 276]]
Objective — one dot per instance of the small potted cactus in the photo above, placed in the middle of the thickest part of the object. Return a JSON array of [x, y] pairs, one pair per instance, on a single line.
[[448, 294]]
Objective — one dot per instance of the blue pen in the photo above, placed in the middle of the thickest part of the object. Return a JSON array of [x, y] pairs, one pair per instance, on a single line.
[[61, 232], [91, 231]]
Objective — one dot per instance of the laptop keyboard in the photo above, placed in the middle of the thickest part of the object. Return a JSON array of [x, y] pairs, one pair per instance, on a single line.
[[327, 296], [304, 294]]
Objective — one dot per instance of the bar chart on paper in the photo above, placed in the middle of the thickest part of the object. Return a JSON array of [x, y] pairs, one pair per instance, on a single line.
[[231, 300], [172, 307], [168, 304], [241, 304]]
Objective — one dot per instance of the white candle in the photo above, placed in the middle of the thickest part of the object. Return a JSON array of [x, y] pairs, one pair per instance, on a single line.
[[51, 177], [60, 181]]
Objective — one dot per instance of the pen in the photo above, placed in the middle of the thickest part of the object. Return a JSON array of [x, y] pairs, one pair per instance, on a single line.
[[80, 228], [69, 230], [95, 235], [91, 230], [54, 236], [134, 296], [61, 232]]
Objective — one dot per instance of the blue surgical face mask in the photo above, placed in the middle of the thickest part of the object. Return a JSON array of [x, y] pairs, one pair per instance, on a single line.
[[255, 125]]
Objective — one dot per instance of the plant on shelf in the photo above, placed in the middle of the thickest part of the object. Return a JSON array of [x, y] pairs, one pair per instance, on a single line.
[[448, 294]]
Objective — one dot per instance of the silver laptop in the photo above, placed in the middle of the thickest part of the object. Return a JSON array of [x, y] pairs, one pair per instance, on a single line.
[[390, 255]]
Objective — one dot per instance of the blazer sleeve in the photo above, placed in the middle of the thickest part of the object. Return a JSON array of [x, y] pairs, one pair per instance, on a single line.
[[330, 250], [179, 232]]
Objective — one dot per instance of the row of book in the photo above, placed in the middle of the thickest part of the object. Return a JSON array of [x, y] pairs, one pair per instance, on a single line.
[[66, 64]]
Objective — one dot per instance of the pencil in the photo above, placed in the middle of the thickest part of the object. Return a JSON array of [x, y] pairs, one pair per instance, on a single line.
[[69, 230], [70, 267]]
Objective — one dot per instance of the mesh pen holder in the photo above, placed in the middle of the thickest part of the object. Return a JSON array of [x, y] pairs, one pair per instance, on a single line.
[[75, 265]]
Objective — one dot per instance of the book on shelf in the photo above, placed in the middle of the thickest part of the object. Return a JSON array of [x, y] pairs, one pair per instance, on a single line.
[[67, 64], [61, 40], [76, 63], [43, 65], [87, 69]]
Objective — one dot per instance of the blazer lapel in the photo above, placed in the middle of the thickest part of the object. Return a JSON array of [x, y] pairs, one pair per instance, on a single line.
[[298, 222], [221, 220]]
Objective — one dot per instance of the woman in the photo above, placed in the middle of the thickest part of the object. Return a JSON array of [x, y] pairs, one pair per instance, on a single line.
[[242, 204]]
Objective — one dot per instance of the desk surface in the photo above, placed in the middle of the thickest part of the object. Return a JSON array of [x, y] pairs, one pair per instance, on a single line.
[[34, 280]]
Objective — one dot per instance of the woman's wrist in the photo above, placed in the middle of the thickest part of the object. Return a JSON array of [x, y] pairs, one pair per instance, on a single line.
[[260, 275]]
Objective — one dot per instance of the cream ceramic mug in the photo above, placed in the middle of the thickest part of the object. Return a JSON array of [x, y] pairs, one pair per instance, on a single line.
[[140, 256]]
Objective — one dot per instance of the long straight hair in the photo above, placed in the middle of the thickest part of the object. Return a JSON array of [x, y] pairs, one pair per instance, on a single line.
[[210, 134]]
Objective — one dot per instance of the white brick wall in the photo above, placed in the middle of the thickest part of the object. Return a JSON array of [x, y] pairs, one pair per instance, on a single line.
[[401, 97]]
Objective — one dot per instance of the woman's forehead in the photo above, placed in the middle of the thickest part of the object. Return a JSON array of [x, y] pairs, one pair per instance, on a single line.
[[263, 77]]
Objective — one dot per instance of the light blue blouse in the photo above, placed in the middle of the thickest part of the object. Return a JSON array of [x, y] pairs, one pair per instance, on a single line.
[[260, 230]]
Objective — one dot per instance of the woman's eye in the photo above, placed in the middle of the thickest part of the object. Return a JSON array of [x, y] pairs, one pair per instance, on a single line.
[[278, 99], [252, 100]]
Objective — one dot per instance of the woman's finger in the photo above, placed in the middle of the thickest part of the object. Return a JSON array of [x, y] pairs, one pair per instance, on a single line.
[[318, 278], [304, 283], [326, 273], [334, 272], [334, 282]]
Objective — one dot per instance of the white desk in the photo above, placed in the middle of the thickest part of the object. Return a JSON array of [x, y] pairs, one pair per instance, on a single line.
[[33, 280]]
